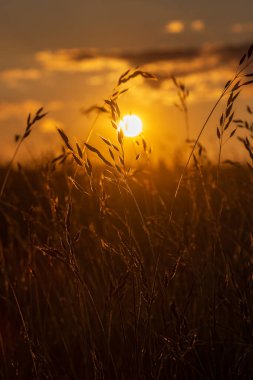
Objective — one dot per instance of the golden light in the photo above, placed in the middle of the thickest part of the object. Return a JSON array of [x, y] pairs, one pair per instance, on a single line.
[[175, 26], [49, 125], [131, 125], [198, 25]]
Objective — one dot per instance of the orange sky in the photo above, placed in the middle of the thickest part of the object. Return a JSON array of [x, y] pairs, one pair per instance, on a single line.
[[67, 57]]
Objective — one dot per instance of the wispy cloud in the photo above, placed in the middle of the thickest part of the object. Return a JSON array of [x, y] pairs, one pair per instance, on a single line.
[[78, 60], [17, 110], [20, 109], [198, 25], [179, 26], [242, 27], [179, 61], [184, 62], [174, 26], [49, 125], [12, 77]]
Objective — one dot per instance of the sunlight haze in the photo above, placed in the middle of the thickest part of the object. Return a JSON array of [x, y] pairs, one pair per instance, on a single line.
[[67, 58]]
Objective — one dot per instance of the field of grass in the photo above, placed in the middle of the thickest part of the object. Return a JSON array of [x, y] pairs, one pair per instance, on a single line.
[[112, 272]]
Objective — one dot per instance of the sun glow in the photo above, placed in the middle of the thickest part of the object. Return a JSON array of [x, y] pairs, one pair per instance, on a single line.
[[131, 125]]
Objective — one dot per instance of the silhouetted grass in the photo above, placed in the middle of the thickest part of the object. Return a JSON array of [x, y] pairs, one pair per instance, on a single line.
[[77, 297], [129, 272]]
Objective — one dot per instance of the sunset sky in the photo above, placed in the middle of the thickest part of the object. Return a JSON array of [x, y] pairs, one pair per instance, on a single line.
[[68, 55]]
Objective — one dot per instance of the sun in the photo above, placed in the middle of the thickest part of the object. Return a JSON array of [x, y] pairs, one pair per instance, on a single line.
[[131, 125]]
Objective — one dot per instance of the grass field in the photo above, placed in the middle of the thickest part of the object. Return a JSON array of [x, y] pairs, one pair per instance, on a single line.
[[112, 272]]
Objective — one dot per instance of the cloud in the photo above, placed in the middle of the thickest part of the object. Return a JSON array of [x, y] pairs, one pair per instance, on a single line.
[[184, 62], [20, 109], [175, 26], [179, 61], [17, 110], [78, 60], [14, 76], [198, 63], [49, 125], [204, 70], [242, 27], [155, 55], [178, 26], [209, 65], [197, 25]]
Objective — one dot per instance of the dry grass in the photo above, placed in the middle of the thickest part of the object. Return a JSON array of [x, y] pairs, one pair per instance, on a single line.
[[110, 272]]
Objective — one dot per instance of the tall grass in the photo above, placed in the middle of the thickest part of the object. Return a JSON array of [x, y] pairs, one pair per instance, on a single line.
[[112, 272]]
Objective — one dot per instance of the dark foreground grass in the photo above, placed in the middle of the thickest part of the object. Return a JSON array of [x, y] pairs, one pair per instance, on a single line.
[[120, 273], [83, 295]]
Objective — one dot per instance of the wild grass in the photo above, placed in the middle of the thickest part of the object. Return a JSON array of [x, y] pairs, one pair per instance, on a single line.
[[115, 271]]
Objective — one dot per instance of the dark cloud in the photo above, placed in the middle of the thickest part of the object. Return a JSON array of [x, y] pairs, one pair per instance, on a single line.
[[162, 62], [150, 56], [225, 53]]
